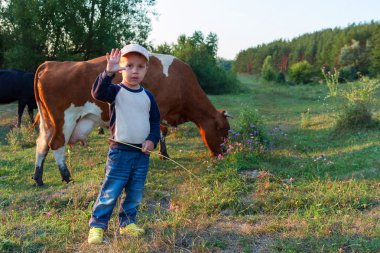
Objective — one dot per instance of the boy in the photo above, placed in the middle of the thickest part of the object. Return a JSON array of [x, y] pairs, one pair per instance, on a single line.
[[134, 119]]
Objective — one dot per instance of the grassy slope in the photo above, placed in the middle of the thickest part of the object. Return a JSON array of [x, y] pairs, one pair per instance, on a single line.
[[332, 204]]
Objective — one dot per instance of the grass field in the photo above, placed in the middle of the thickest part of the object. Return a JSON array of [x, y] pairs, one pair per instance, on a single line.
[[315, 191]]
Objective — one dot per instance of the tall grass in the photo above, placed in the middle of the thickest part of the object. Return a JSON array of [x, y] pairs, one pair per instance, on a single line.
[[22, 137], [332, 81], [289, 189]]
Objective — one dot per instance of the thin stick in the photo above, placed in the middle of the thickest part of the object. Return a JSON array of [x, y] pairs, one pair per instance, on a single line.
[[156, 153]]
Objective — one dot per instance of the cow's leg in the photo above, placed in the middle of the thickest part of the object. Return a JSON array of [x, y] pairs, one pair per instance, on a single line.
[[59, 156], [31, 115], [163, 150], [21, 107], [58, 143], [41, 153]]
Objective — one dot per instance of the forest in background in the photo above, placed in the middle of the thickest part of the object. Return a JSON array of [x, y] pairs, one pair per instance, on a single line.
[[352, 50], [35, 31]]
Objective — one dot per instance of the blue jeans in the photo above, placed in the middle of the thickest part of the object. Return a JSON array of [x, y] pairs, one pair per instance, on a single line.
[[124, 170]]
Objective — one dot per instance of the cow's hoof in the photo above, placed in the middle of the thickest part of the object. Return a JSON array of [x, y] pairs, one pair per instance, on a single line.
[[65, 173], [67, 180], [38, 183], [66, 177]]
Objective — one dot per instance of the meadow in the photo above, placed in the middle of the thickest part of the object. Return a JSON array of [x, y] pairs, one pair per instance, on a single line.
[[313, 190]]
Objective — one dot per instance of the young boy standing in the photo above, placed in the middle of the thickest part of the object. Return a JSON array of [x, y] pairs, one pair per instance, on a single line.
[[134, 119]]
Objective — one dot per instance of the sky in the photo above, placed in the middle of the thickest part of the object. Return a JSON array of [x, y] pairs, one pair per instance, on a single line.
[[241, 24]]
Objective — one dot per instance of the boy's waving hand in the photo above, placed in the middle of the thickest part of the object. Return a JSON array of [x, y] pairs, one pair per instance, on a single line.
[[113, 59]]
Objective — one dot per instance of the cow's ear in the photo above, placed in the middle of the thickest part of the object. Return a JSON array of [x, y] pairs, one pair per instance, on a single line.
[[225, 114]]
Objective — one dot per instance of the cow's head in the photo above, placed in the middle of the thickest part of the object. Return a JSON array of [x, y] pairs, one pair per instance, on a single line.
[[215, 131]]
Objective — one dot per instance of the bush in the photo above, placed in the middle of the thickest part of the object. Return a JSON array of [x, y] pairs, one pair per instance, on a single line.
[[249, 142], [268, 72], [301, 72], [354, 116], [252, 127], [280, 78], [212, 78], [22, 137], [360, 100], [200, 54], [250, 139], [348, 73]]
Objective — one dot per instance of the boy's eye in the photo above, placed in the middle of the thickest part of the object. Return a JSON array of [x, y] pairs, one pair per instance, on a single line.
[[129, 65]]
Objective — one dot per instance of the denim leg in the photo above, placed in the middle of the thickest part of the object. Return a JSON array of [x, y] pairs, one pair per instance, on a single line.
[[134, 190], [118, 168]]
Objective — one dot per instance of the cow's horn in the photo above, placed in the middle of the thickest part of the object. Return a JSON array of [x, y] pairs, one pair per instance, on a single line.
[[226, 114]]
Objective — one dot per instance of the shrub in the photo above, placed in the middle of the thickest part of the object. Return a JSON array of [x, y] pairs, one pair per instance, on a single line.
[[200, 54], [249, 140], [301, 72], [268, 72], [21, 137], [251, 127], [246, 145], [360, 99], [353, 116], [280, 78], [348, 73], [362, 92]]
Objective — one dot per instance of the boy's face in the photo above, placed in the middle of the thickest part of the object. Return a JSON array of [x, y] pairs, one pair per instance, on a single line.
[[136, 68]]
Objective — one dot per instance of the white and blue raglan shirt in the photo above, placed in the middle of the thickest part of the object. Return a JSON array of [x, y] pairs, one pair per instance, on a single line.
[[134, 114]]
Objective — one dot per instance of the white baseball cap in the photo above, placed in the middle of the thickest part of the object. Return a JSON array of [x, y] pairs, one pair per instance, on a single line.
[[135, 48]]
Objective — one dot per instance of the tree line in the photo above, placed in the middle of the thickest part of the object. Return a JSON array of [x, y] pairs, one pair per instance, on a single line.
[[354, 50], [200, 52], [34, 31]]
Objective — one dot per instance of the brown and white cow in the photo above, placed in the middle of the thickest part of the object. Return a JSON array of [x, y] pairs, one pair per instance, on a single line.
[[68, 112]]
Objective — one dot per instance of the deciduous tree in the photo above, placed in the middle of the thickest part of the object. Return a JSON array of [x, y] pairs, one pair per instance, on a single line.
[[77, 30]]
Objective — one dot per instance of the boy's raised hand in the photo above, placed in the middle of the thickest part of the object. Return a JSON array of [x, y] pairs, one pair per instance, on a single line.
[[113, 59]]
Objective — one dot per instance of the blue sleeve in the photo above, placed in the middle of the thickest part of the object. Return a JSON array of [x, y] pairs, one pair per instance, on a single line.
[[103, 89], [154, 120]]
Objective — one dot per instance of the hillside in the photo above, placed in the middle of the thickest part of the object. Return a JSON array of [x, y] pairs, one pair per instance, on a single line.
[[313, 191]]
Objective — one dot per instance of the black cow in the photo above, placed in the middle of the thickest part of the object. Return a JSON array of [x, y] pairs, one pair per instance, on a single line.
[[16, 85]]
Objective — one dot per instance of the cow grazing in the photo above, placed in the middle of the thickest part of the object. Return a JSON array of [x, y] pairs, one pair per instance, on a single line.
[[16, 85], [68, 112]]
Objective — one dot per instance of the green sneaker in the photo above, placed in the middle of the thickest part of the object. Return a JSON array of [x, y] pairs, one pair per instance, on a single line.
[[132, 229], [95, 236]]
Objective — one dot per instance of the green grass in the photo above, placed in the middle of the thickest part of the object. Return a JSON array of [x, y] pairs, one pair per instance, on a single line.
[[316, 190]]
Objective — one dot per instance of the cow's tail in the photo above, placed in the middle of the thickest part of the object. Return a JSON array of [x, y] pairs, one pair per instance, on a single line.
[[36, 78], [37, 98], [36, 121], [40, 104]]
